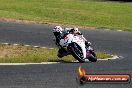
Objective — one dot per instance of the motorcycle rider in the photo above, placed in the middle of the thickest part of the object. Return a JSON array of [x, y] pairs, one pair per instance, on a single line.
[[61, 33]]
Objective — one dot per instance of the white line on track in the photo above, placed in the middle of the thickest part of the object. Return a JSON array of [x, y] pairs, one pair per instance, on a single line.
[[114, 57], [29, 63], [15, 44], [36, 46], [119, 30], [6, 43], [27, 45]]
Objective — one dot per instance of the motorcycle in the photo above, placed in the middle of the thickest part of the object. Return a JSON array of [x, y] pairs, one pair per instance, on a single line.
[[75, 46]]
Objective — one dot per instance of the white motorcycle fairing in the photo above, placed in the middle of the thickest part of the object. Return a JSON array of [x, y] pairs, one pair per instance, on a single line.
[[70, 38]]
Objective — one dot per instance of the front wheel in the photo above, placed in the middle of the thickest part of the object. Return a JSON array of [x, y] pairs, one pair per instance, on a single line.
[[76, 52]]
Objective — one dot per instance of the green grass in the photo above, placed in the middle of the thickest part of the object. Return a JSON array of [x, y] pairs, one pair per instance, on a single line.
[[24, 54], [74, 12]]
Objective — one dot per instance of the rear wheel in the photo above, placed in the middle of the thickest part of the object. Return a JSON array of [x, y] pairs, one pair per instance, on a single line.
[[93, 57], [76, 52]]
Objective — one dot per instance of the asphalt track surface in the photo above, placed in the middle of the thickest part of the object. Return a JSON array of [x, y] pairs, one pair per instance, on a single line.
[[63, 75]]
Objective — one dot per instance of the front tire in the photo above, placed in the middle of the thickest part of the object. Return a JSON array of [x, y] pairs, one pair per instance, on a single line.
[[76, 52]]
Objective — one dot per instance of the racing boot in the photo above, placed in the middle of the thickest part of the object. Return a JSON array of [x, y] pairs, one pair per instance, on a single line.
[[62, 52]]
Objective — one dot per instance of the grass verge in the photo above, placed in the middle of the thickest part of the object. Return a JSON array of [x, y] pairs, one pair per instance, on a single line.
[[94, 13], [28, 54]]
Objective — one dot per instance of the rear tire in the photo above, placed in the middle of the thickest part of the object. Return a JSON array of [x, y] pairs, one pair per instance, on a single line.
[[93, 57]]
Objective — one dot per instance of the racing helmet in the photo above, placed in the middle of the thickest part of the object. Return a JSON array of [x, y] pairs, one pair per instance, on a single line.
[[76, 29], [58, 29]]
